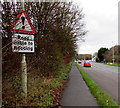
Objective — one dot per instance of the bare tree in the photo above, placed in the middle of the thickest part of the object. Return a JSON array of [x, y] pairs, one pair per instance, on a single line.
[[58, 27]]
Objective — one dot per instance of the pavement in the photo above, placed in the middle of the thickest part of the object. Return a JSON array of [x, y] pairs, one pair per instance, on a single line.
[[77, 93]]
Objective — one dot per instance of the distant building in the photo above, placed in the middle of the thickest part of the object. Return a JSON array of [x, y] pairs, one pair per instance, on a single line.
[[94, 58], [85, 56]]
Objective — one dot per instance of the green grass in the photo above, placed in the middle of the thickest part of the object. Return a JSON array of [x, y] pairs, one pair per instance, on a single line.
[[112, 64], [41, 90], [101, 96]]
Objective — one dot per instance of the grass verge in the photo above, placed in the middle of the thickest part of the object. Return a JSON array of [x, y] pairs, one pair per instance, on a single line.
[[112, 64], [46, 92], [102, 97], [42, 91]]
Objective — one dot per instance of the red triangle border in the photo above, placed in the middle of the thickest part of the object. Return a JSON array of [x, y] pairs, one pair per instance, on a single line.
[[16, 20]]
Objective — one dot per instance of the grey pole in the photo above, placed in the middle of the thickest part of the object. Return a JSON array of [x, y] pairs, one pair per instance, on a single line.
[[113, 54], [24, 68], [24, 75]]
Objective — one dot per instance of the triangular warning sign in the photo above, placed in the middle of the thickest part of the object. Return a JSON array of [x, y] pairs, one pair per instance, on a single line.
[[22, 24]]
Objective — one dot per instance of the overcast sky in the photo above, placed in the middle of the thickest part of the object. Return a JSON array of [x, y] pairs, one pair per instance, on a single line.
[[101, 17]]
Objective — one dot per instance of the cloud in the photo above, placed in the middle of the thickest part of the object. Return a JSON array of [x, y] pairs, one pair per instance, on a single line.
[[101, 17]]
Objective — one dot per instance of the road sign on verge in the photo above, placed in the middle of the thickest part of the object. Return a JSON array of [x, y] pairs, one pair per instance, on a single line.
[[21, 40], [23, 43], [22, 24]]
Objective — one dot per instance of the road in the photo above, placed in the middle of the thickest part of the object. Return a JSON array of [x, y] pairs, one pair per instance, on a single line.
[[105, 76]]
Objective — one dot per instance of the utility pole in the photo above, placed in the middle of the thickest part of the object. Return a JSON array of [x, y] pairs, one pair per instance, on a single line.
[[113, 58], [24, 67], [113, 55]]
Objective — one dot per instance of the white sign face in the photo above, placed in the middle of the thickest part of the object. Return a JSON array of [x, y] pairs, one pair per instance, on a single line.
[[23, 43]]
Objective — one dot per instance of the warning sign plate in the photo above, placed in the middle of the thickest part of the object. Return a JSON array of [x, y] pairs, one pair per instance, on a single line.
[[22, 24]]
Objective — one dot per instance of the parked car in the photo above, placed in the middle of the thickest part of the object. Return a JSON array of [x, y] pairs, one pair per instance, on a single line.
[[87, 64], [79, 61]]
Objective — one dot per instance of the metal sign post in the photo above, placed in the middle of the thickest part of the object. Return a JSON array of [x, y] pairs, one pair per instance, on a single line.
[[24, 75], [23, 42], [24, 67]]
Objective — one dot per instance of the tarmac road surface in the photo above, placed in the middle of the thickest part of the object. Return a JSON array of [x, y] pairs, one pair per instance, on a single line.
[[105, 76]]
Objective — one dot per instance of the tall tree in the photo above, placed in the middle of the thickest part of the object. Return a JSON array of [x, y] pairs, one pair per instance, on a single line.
[[101, 52], [58, 26], [109, 54]]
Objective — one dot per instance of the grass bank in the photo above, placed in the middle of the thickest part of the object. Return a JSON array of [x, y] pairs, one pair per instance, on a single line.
[[101, 96], [112, 64], [42, 91]]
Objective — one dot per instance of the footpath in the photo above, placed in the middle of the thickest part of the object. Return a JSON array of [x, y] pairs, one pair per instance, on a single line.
[[77, 93]]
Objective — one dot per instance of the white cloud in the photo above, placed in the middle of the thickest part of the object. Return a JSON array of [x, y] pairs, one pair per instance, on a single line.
[[101, 17]]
